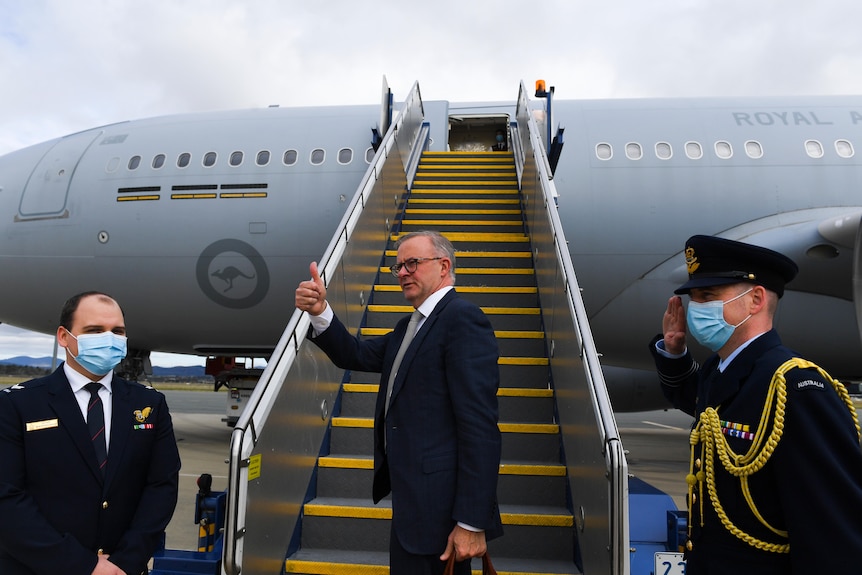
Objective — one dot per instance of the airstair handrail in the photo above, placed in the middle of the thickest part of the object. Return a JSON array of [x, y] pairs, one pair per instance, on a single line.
[[530, 139], [251, 421]]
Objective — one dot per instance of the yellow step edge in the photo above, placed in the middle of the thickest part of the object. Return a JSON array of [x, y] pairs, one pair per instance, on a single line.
[[335, 462], [328, 568], [461, 153], [360, 512], [453, 201], [449, 212], [488, 310], [502, 334], [523, 361], [467, 173], [483, 271], [502, 223], [533, 428], [501, 392], [471, 289], [476, 237], [452, 192], [476, 254]]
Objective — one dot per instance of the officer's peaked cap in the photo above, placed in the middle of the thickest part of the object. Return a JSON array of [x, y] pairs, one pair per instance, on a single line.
[[713, 261]]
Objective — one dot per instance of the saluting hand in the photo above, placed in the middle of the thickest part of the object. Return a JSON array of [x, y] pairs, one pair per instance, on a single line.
[[311, 294], [673, 326]]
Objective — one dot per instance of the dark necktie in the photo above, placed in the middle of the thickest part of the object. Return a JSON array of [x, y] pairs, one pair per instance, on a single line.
[[405, 343], [96, 424]]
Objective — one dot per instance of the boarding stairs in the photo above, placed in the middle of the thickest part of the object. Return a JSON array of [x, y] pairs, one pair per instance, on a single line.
[[300, 467], [472, 199]]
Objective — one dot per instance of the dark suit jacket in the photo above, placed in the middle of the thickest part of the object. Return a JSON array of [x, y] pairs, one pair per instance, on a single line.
[[56, 510], [442, 453], [811, 486]]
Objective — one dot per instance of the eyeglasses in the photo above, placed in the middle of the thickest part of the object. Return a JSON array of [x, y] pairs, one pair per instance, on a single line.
[[410, 265]]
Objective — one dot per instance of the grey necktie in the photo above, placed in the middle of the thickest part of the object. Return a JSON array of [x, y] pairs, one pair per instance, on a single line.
[[405, 343], [96, 424]]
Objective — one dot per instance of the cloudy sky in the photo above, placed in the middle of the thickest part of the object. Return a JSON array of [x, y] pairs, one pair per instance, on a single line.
[[67, 66]]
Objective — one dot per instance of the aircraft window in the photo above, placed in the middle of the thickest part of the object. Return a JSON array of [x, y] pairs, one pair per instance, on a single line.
[[604, 151], [345, 156], [693, 150], [262, 158], [634, 151], [158, 161], [183, 160], [844, 148], [369, 155], [236, 159], [317, 156], [290, 157], [723, 150], [134, 162], [210, 159], [814, 148], [753, 149], [663, 151]]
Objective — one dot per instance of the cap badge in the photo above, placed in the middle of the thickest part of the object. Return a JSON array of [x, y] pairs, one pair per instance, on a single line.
[[691, 261]]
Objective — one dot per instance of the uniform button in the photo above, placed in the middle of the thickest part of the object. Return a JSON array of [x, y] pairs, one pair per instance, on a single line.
[[100, 552], [698, 463], [689, 545], [104, 504]]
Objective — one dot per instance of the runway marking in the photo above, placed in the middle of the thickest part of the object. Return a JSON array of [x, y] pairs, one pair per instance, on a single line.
[[663, 426]]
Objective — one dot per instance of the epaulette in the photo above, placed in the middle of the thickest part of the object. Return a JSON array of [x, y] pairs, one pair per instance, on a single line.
[[16, 387]]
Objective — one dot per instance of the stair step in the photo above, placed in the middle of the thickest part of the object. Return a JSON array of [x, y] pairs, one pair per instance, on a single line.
[[340, 562]]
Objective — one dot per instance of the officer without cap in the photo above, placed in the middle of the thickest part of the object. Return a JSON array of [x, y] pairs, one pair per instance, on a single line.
[[775, 484]]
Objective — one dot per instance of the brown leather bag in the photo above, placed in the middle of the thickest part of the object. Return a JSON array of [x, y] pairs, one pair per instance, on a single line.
[[487, 567]]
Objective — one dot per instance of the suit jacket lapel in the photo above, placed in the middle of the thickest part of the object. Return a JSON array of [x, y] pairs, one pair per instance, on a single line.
[[64, 404], [411, 352]]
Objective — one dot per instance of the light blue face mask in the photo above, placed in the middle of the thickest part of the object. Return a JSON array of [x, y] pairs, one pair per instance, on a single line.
[[706, 322], [99, 353]]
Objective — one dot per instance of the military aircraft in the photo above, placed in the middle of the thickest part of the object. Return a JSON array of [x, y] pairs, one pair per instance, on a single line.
[[201, 225]]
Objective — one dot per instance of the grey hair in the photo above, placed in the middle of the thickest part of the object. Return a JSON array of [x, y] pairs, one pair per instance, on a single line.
[[442, 246]]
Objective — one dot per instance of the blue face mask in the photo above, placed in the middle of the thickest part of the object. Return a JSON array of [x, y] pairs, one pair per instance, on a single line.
[[499, 137], [99, 353], [706, 322]]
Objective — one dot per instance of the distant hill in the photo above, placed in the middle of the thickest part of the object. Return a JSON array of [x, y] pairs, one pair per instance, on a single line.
[[45, 363]]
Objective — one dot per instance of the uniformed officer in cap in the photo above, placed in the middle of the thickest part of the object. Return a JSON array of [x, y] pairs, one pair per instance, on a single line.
[[775, 484]]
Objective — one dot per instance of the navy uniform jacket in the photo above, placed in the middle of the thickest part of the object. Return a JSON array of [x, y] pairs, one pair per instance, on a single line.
[[812, 484], [56, 510], [443, 444]]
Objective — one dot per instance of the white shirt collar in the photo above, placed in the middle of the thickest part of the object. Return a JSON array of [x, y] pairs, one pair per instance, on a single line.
[[432, 300], [78, 380]]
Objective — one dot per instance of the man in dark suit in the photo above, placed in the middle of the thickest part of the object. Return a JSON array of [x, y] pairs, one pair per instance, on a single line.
[[776, 464], [88, 479], [436, 440]]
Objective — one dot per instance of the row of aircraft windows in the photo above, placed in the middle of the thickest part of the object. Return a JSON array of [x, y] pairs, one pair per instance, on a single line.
[[263, 157], [723, 150]]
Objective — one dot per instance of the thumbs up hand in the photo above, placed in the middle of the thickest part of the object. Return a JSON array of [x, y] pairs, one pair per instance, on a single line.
[[311, 294]]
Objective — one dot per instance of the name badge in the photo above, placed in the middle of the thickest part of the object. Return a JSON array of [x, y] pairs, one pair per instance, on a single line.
[[44, 424]]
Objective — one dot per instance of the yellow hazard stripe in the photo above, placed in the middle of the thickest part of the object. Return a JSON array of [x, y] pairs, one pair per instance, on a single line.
[[147, 198], [360, 512], [487, 237], [472, 289], [488, 310], [484, 271], [431, 196], [334, 462], [502, 223], [445, 212], [501, 392], [523, 361], [456, 201], [533, 428], [476, 254]]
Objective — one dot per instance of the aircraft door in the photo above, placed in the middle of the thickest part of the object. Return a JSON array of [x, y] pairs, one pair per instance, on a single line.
[[47, 188]]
